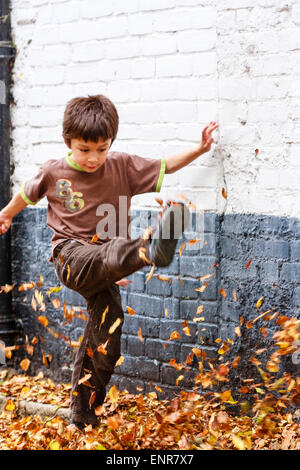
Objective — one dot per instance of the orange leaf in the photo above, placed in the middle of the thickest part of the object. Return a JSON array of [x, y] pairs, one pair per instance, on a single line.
[[149, 276], [234, 296], [130, 310], [94, 239], [140, 335], [237, 331], [25, 364], [248, 264], [186, 331], [223, 293], [224, 193], [249, 325], [43, 320], [236, 361], [103, 316], [175, 335], [181, 248]]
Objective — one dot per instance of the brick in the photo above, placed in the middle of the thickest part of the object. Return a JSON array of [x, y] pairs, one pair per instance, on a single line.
[[229, 247], [122, 48], [168, 326], [144, 304], [149, 326], [195, 41], [196, 266], [157, 287], [188, 309], [296, 296], [186, 350], [295, 250], [270, 272], [134, 346], [154, 349], [277, 249], [172, 305], [174, 66], [158, 44], [290, 272], [229, 311], [170, 374], [186, 291]]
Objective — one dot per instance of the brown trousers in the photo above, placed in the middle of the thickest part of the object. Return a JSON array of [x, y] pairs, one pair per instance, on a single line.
[[92, 270]]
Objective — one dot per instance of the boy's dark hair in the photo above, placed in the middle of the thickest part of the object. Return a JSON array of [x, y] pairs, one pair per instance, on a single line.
[[90, 118]]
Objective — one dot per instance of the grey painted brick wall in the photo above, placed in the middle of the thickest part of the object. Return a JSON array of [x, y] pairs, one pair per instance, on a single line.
[[229, 242]]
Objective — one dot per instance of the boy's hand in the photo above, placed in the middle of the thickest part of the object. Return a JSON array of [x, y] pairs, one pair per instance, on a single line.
[[207, 139], [5, 222]]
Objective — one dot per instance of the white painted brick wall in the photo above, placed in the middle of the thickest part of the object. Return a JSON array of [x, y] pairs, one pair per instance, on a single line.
[[170, 67]]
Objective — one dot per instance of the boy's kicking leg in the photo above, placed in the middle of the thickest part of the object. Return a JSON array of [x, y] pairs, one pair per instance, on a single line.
[[92, 271]]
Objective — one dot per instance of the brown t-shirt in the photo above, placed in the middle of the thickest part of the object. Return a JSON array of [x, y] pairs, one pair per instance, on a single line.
[[82, 204]]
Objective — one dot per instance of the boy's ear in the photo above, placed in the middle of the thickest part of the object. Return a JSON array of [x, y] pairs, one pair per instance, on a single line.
[[68, 144]]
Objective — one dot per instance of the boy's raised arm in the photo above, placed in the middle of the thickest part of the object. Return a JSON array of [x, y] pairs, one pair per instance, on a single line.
[[178, 161], [8, 212]]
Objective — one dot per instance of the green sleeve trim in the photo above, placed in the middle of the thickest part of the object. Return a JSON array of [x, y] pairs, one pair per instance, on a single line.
[[26, 199], [161, 174], [72, 163]]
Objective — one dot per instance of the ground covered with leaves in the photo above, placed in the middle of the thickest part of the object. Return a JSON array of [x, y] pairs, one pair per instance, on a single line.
[[212, 415], [136, 421]]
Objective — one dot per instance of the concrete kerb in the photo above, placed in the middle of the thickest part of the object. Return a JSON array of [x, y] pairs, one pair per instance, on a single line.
[[26, 408]]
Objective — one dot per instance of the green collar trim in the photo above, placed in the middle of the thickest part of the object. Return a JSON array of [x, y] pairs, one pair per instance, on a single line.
[[161, 175], [72, 163]]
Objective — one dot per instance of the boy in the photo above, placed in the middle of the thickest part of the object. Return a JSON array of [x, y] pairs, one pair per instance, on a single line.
[[80, 188]]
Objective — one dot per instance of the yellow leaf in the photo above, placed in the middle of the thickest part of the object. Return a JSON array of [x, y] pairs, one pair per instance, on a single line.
[[84, 379], [260, 301], [166, 313], [114, 326], [181, 377], [164, 278], [207, 276], [54, 445], [199, 310], [113, 394], [53, 289], [238, 442], [69, 272], [119, 361], [10, 406]]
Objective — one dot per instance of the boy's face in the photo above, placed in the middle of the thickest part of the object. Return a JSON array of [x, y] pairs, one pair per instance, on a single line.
[[90, 155]]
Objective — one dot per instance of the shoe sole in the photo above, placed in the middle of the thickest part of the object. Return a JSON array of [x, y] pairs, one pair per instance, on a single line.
[[170, 229]]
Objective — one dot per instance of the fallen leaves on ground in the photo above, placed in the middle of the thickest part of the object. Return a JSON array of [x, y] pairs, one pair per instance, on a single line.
[[136, 421]]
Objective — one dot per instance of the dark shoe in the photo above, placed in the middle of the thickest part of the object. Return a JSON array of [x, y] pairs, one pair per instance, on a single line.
[[80, 426], [174, 221]]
